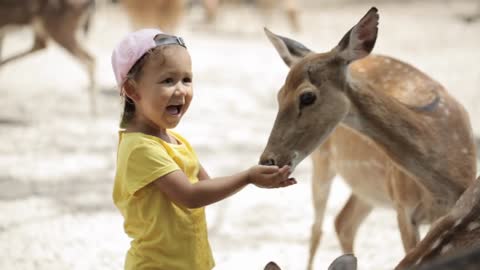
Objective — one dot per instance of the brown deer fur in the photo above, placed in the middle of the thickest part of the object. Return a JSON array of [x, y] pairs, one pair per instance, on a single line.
[[395, 135]]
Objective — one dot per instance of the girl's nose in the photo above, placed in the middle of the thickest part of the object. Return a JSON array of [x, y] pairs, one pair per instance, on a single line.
[[180, 89]]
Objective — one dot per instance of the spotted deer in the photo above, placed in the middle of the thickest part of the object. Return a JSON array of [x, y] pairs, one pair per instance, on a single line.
[[265, 6], [344, 262], [468, 259], [58, 20], [395, 135], [465, 259], [163, 14], [458, 231], [452, 243]]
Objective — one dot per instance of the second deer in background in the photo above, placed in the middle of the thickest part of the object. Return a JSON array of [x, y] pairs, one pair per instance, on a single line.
[[265, 6], [57, 20], [163, 14]]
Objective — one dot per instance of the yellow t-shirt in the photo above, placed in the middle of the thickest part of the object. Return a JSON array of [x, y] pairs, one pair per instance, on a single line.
[[165, 235]]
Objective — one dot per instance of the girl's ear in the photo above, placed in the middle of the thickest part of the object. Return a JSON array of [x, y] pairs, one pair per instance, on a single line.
[[130, 90]]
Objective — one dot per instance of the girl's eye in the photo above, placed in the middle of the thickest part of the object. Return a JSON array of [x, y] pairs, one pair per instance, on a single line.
[[187, 80], [168, 81], [306, 99]]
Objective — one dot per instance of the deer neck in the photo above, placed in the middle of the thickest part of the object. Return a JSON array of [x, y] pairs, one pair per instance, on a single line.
[[404, 138]]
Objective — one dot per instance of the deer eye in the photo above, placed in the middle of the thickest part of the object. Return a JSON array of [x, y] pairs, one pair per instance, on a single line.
[[306, 99]]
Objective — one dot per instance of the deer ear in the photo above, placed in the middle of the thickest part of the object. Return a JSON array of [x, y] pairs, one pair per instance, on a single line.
[[290, 50], [360, 40], [271, 266], [344, 262]]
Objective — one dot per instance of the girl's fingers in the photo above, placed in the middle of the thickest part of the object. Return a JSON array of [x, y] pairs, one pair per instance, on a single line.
[[288, 182], [268, 169], [283, 173], [285, 169]]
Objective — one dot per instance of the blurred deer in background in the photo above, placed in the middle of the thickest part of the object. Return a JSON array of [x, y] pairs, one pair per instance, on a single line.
[[266, 7], [473, 17], [51, 19], [394, 135], [163, 14]]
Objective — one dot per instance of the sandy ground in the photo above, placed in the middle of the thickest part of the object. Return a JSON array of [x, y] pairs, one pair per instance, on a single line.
[[57, 162]]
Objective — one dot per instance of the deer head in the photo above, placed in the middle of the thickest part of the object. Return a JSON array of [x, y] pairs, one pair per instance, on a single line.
[[312, 102]]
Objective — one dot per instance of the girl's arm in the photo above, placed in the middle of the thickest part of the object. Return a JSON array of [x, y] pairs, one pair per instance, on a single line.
[[178, 189], [202, 174]]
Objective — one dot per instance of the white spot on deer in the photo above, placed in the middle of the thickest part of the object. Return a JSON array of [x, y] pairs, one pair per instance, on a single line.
[[361, 70], [446, 248], [455, 136], [477, 188], [410, 86], [39, 27], [457, 223], [465, 150], [295, 159], [473, 226], [386, 60], [447, 112], [436, 244]]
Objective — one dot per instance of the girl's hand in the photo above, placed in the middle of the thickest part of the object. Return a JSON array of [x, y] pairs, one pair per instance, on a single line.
[[270, 176]]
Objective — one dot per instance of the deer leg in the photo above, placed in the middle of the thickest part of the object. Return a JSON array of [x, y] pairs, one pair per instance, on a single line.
[[406, 197], [321, 182], [266, 9], [408, 229], [2, 35], [39, 43], [349, 220], [89, 62], [473, 17], [292, 14], [427, 247], [211, 9], [67, 40]]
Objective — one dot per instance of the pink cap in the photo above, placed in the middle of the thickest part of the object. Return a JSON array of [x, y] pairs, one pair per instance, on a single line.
[[129, 50]]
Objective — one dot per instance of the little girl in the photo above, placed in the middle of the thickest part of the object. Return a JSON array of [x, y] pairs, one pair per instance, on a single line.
[[160, 186]]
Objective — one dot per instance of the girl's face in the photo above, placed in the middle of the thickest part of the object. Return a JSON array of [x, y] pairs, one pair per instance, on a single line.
[[164, 88]]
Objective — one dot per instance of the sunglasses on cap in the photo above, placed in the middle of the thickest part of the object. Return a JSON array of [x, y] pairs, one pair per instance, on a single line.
[[162, 39]]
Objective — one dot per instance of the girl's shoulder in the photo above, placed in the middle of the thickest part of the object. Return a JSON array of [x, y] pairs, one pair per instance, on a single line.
[[177, 136], [180, 139], [128, 141]]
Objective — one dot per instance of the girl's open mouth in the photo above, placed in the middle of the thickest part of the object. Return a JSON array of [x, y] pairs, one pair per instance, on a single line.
[[174, 109]]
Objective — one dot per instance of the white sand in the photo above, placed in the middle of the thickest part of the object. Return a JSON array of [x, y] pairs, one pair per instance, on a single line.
[[57, 163]]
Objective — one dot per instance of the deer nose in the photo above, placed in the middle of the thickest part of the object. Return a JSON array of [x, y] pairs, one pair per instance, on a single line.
[[267, 162]]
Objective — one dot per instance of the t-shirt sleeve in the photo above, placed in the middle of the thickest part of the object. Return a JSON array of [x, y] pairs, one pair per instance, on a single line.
[[147, 163]]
